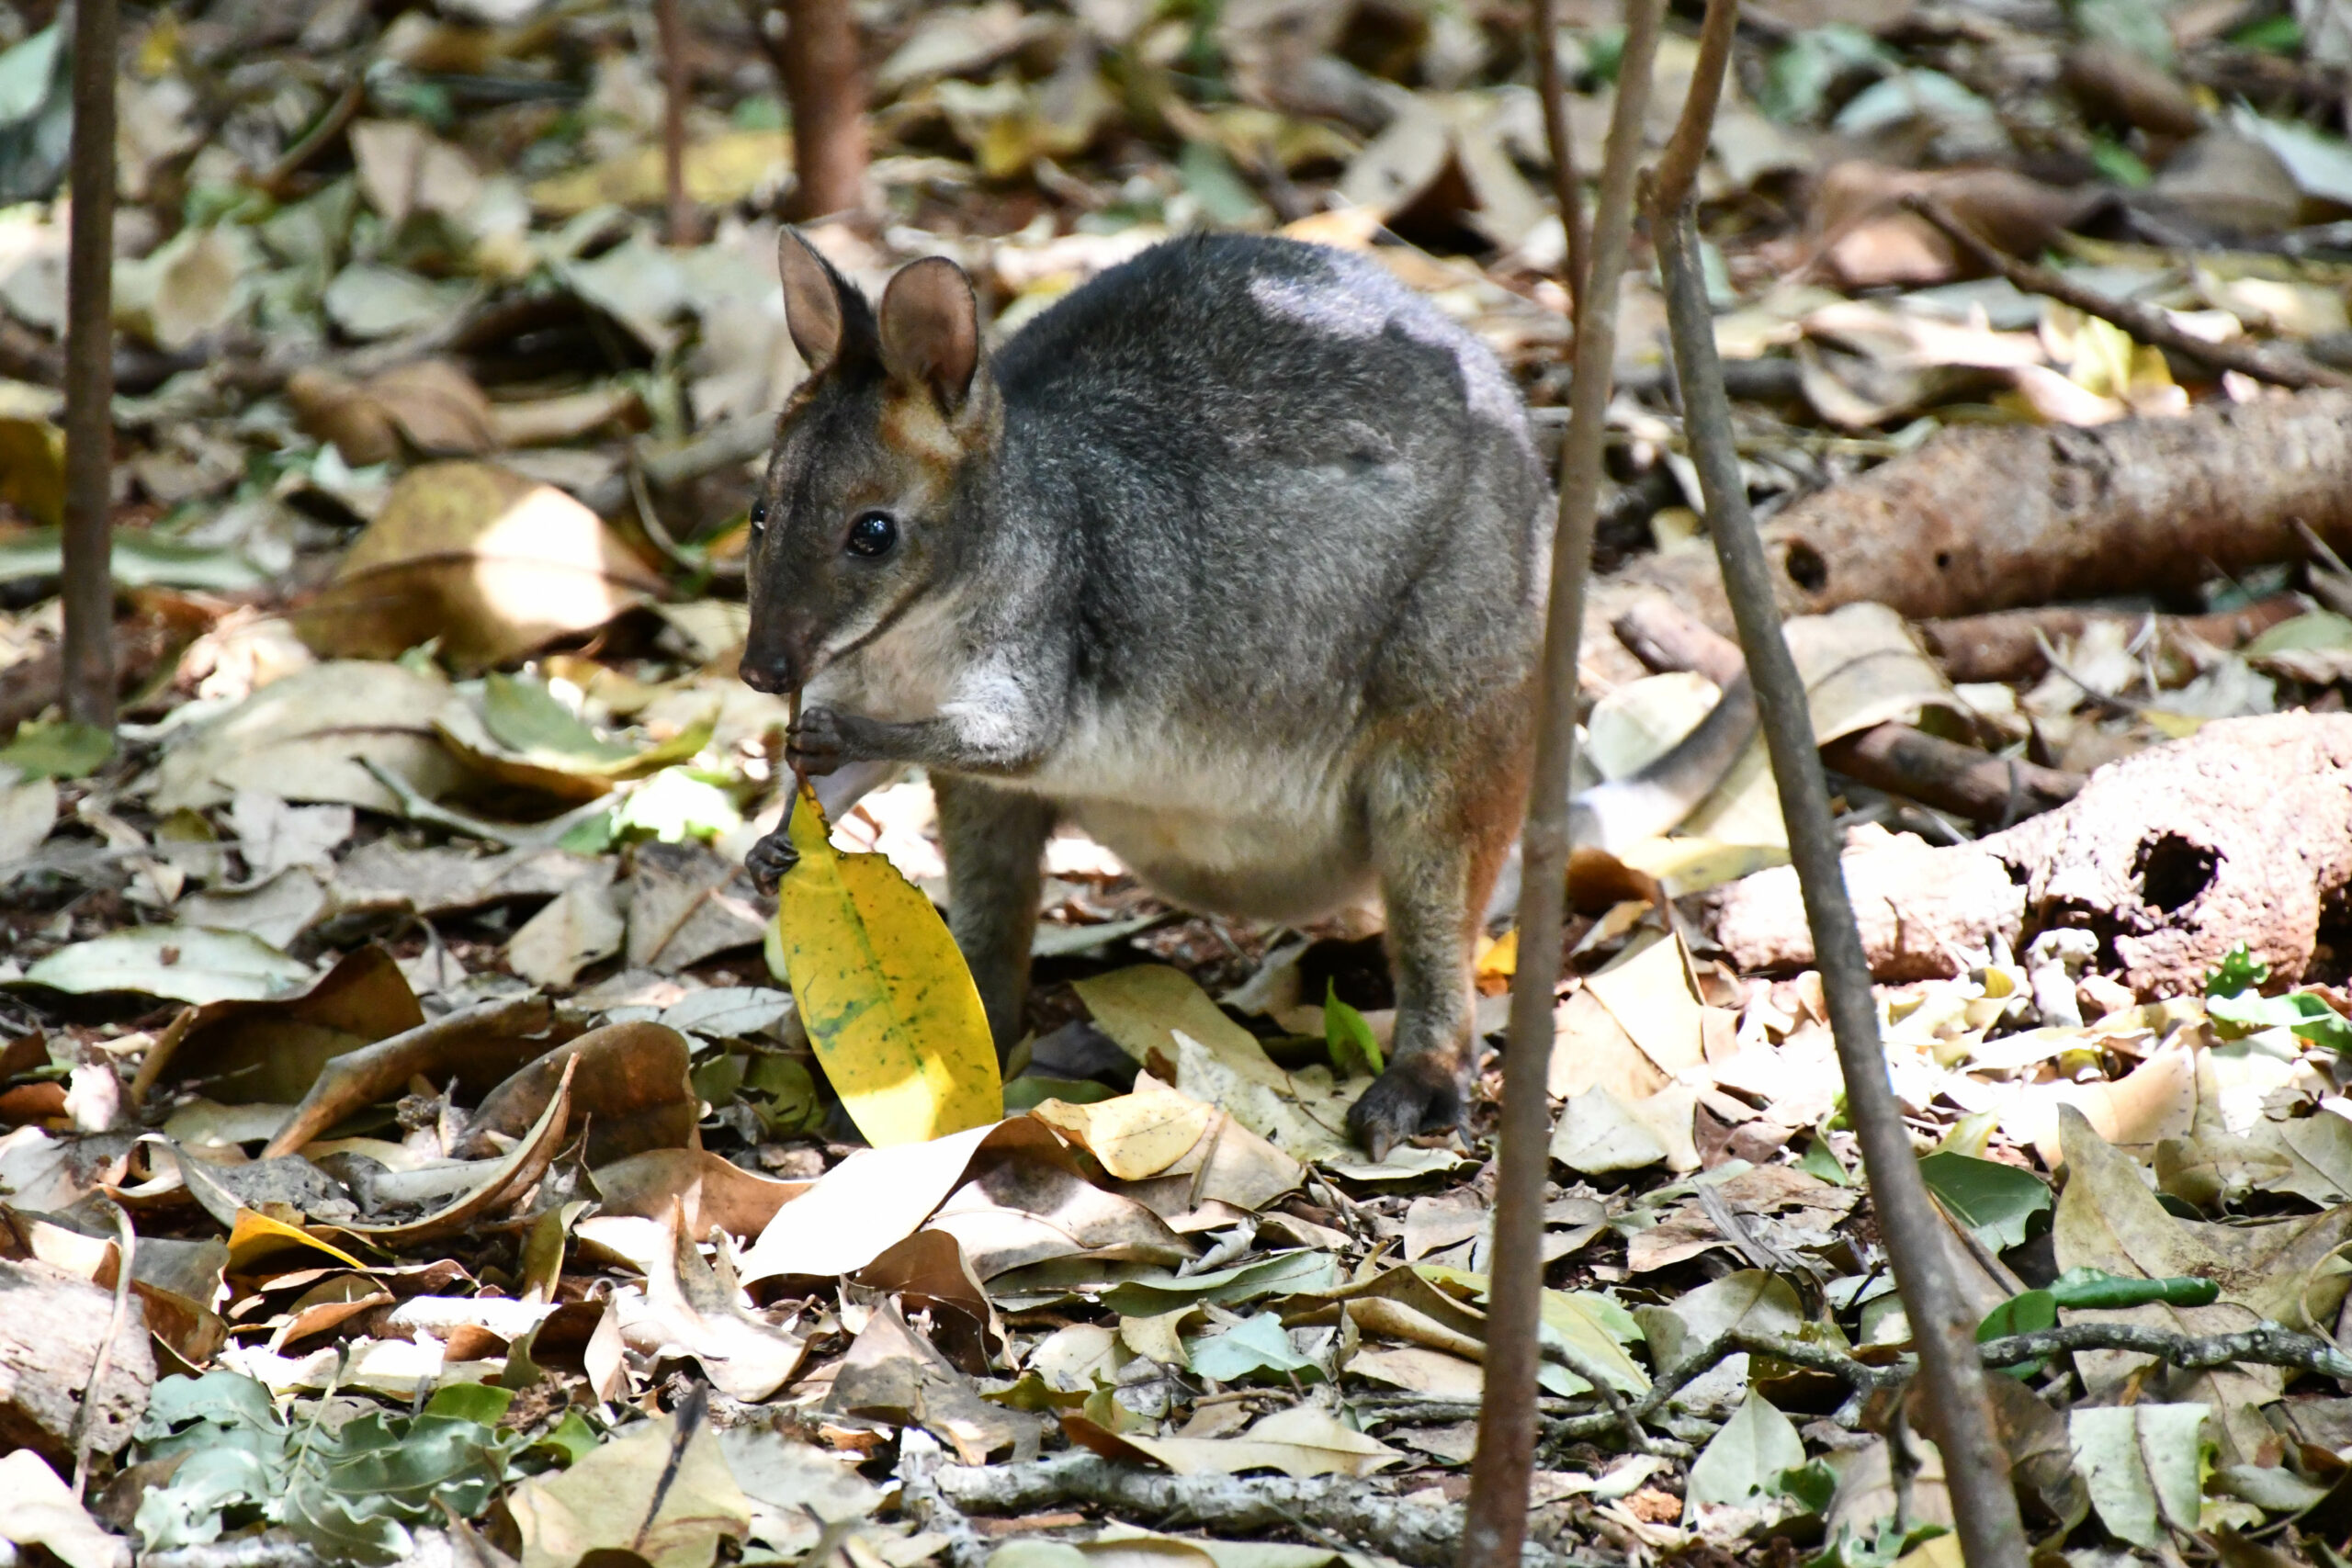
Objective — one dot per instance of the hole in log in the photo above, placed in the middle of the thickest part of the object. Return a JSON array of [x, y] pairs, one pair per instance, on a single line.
[[1805, 567], [2172, 872]]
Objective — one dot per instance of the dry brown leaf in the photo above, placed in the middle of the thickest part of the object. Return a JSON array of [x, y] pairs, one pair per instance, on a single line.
[[486, 560]]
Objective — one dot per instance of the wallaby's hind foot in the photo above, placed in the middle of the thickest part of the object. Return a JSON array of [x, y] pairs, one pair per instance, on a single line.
[[1419, 1093]]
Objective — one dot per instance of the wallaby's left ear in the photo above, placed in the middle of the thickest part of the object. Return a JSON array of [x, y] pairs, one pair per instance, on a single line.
[[931, 330]]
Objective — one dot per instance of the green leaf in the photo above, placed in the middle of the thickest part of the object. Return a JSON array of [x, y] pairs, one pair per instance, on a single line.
[[1821, 1161], [2301, 1013], [1255, 1346], [338, 1528], [59, 749], [2029, 1311], [1995, 1202], [2143, 1465], [522, 714], [2097, 1288], [138, 559], [1286, 1273], [1355, 1049], [2238, 971], [477, 1401], [1809, 1486], [571, 1439], [676, 803], [227, 1399], [1744, 1462], [186, 964]]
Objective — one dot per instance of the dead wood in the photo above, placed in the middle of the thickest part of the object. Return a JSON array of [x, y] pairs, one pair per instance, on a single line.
[[1409, 1530], [1992, 517], [2241, 833], [1897, 758], [52, 1329], [2008, 644]]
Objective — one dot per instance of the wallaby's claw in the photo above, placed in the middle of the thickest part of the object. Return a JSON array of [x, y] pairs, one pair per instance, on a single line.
[[1417, 1094], [814, 745], [770, 859]]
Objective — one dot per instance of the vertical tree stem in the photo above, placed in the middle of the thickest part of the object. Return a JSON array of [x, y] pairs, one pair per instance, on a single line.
[[1976, 1471], [89, 374], [1495, 1524], [825, 82], [1567, 184], [675, 90]]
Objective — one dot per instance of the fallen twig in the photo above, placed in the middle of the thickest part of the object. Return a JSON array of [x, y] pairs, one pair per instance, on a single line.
[[1424, 1534], [2275, 363], [125, 1245], [2266, 1345], [2007, 644]]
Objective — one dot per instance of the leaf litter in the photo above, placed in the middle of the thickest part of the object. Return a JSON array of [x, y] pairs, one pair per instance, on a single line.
[[393, 979]]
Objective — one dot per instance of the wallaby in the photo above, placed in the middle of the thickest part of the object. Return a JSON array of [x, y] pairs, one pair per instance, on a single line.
[[1236, 558]]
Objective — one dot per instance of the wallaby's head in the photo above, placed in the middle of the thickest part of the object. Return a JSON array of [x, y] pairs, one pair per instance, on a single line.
[[855, 521]]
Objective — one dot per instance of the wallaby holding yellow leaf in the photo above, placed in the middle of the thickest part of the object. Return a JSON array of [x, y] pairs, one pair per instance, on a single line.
[[1235, 558]]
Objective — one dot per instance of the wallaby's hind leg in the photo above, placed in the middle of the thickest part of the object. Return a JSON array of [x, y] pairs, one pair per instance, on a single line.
[[1437, 848], [995, 843]]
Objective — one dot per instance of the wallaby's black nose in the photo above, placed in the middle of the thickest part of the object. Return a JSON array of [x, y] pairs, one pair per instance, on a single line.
[[774, 671]]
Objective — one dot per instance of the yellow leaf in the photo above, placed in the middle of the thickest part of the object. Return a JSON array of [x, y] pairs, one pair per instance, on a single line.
[[888, 1001], [1498, 958], [720, 171]]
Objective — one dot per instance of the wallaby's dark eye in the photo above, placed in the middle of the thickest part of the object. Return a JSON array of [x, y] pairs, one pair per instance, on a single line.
[[759, 519], [871, 534]]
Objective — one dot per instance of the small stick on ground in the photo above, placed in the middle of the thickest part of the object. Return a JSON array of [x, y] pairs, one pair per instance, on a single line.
[[89, 375], [1496, 1522], [1975, 1467], [2277, 363], [674, 89]]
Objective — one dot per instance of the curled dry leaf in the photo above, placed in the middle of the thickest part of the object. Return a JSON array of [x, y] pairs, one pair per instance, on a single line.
[[431, 404], [472, 1044], [630, 1082], [251, 1051], [876, 1198], [481, 557], [711, 1190], [691, 1309]]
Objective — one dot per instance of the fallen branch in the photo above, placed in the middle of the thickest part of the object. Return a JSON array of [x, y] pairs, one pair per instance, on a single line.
[[1423, 1534], [2277, 363], [2268, 1346], [1994, 517], [2008, 644]]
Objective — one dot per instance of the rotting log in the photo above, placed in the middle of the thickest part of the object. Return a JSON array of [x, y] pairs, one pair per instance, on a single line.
[[2242, 833], [1993, 517]]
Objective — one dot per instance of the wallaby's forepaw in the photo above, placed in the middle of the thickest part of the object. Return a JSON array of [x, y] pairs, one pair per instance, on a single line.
[[771, 858], [814, 744], [1417, 1094]]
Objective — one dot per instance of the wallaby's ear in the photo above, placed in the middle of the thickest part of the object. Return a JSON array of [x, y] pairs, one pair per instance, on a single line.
[[812, 300], [930, 328]]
